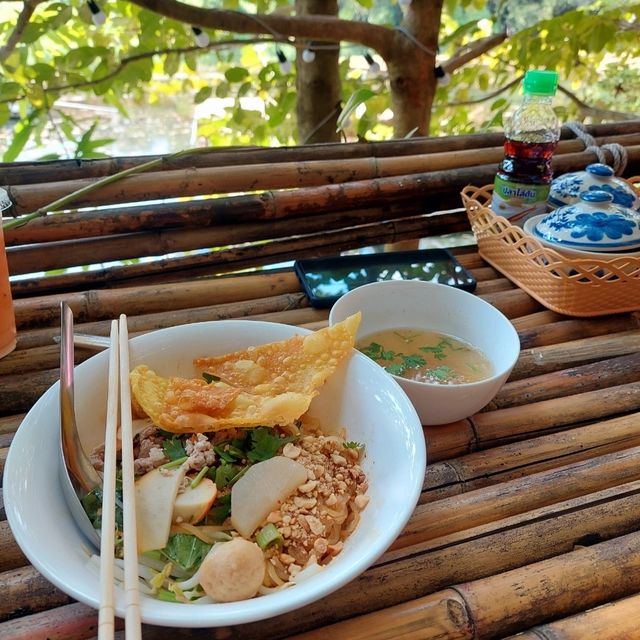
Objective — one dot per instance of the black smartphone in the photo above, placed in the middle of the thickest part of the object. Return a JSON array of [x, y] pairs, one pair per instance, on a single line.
[[326, 279]]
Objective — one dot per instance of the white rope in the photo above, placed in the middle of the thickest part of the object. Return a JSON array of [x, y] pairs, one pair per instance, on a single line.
[[618, 152]]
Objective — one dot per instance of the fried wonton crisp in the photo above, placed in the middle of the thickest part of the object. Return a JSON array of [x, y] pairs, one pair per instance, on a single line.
[[267, 385]]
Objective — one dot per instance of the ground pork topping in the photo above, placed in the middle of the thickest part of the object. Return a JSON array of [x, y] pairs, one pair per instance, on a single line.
[[200, 452], [148, 454]]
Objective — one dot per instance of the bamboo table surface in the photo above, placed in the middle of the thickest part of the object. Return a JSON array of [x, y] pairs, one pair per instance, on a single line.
[[529, 518]]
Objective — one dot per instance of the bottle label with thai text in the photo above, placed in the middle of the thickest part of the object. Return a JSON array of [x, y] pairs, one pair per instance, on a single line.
[[517, 201]]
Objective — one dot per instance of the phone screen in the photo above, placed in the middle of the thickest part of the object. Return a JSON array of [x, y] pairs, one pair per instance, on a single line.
[[326, 279]]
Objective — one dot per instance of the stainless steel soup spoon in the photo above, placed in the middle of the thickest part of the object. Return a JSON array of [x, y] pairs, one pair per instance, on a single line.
[[77, 475]]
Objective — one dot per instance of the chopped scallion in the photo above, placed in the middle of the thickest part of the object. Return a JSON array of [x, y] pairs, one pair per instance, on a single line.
[[268, 536], [174, 463], [196, 481]]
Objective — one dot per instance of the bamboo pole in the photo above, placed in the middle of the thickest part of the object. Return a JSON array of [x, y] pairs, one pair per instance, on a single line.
[[558, 586], [26, 585], [47, 357], [258, 255], [510, 601], [442, 615], [567, 382], [546, 359], [10, 424], [206, 181], [99, 305], [508, 498], [244, 208], [612, 621], [260, 207], [515, 423], [55, 255], [68, 622], [450, 475], [536, 319], [577, 328], [11, 556], [30, 172]]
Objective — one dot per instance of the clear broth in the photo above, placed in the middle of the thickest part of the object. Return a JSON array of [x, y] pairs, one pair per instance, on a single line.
[[426, 356]]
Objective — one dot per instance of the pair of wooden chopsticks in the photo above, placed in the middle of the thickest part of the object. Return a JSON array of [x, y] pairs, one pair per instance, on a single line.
[[119, 389]]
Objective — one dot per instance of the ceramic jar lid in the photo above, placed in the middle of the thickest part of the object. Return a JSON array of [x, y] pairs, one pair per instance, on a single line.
[[566, 189], [594, 223]]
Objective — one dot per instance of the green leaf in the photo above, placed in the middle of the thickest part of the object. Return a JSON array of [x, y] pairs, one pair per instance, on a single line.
[[171, 63], [236, 74], [10, 90], [202, 95], [186, 551], [173, 448], [265, 444], [221, 510], [354, 101], [226, 474], [22, 131]]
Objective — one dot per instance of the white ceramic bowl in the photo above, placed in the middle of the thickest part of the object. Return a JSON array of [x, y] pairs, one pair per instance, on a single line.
[[444, 309], [360, 396]]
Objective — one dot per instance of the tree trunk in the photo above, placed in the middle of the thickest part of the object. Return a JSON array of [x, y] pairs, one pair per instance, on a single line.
[[412, 68], [318, 83]]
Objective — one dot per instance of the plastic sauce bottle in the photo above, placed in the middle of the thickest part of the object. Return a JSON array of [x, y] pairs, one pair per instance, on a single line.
[[522, 183]]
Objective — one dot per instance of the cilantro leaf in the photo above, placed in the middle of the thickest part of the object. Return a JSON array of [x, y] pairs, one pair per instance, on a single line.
[[396, 369], [226, 474], [413, 361], [173, 448], [265, 444], [441, 373], [352, 444]]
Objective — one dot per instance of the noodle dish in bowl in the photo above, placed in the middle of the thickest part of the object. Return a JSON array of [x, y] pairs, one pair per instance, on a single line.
[[273, 466]]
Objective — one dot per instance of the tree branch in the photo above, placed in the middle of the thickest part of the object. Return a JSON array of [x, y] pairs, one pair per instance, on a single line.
[[487, 96], [588, 110], [472, 51], [142, 56], [313, 27], [21, 24]]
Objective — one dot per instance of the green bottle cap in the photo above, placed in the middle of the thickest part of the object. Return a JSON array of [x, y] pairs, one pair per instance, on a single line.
[[540, 83]]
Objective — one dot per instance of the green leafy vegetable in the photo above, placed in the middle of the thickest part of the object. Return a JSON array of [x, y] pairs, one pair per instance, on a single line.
[[352, 444], [209, 377], [173, 448], [442, 372], [265, 444], [186, 550], [226, 474], [221, 511]]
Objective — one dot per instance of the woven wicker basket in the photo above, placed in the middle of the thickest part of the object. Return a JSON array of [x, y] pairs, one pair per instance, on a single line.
[[575, 287]]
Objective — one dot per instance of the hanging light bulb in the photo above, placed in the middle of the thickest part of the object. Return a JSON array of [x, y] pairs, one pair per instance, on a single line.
[[97, 14], [443, 78], [308, 55], [285, 65], [374, 67], [202, 38]]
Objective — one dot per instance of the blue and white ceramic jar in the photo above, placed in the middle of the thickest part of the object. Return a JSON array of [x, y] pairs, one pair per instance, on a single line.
[[592, 224], [566, 189]]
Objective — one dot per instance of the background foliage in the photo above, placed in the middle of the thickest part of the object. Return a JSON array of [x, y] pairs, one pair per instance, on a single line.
[[234, 91]]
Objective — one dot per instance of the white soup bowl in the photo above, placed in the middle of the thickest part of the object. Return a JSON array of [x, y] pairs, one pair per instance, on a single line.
[[444, 309]]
